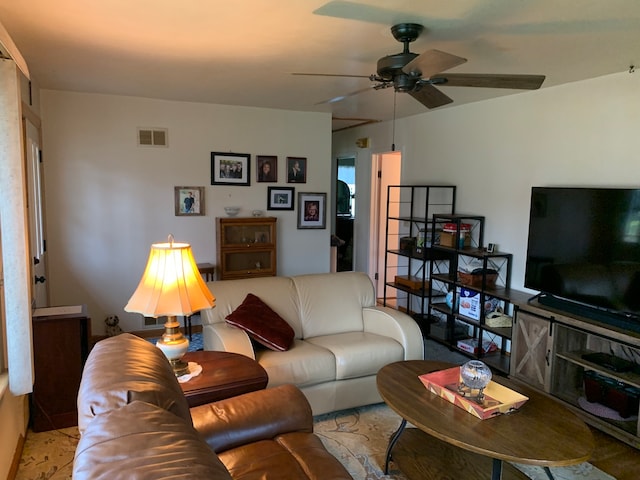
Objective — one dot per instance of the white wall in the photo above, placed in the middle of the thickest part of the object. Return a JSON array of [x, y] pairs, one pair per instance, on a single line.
[[584, 133], [108, 200]]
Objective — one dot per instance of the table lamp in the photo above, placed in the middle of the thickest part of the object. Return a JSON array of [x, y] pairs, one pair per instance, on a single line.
[[171, 285]]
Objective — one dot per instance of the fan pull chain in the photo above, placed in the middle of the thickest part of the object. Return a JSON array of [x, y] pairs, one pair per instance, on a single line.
[[393, 133]]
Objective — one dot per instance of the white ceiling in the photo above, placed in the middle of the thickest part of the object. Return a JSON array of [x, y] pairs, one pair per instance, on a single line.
[[242, 52]]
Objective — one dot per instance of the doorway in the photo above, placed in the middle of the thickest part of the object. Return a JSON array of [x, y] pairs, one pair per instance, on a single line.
[[386, 170], [35, 210], [345, 212]]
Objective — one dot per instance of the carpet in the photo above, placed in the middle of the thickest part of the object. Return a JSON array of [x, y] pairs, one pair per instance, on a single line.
[[195, 344], [358, 437]]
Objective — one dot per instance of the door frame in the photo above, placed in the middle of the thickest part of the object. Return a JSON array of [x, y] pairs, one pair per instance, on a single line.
[[386, 170]]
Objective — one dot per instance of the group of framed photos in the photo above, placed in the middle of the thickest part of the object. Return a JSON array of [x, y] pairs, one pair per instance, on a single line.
[[311, 206], [235, 169]]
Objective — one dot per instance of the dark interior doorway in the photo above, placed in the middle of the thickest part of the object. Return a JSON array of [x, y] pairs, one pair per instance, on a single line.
[[345, 212]]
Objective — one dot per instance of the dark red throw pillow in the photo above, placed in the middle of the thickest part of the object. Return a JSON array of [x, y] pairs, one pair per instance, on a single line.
[[262, 324]]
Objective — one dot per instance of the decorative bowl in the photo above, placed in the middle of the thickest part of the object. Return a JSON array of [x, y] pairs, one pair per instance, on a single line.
[[232, 211], [475, 374]]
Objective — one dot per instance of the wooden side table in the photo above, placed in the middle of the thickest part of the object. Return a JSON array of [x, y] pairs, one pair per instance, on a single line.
[[60, 348], [224, 375], [207, 270]]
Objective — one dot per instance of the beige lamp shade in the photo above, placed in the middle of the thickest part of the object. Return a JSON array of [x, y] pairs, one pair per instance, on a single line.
[[171, 284]]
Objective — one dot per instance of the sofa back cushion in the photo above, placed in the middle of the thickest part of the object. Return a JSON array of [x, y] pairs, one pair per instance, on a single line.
[[333, 302], [141, 441], [123, 369], [277, 292]]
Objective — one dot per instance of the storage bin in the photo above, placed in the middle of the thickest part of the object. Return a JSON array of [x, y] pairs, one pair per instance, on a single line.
[[618, 396], [475, 279]]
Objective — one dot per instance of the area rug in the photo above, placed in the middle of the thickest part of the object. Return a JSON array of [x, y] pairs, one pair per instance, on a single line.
[[358, 437]]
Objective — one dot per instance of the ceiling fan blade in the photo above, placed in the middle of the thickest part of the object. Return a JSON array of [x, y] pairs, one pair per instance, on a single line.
[[430, 96], [523, 82], [330, 75], [431, 62], [342, 97]]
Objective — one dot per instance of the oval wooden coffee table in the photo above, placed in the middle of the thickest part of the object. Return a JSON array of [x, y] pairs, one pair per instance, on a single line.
[[451, 443]]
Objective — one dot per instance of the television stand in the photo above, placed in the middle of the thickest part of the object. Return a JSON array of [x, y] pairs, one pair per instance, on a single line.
[[558, 352], [610, 318]]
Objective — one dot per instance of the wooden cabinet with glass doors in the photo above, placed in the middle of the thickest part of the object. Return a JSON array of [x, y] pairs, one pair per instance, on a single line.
[[246, 247]]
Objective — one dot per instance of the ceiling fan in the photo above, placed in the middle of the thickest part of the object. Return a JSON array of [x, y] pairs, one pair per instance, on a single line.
[[417, 75]]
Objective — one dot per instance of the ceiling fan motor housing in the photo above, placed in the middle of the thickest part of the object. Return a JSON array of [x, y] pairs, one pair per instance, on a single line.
[[390, 69]]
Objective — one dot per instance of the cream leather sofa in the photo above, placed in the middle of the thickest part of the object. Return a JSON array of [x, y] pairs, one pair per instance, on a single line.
[[341, 337]]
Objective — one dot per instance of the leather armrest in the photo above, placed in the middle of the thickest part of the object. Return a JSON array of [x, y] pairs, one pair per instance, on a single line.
[[392, 323], [252, 417]]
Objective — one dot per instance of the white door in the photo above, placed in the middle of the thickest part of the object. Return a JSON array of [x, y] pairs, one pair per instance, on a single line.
[[35, 206], [386, 171]]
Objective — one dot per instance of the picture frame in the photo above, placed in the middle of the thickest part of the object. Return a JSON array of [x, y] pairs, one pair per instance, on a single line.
[[312, 212], [189, 201], [280, 198], [266, 168], [230, 169], [296, 170]]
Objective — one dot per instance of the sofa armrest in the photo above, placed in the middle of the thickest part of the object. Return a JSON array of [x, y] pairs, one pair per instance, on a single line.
[[252, 417], [225, 338], [401, 327]]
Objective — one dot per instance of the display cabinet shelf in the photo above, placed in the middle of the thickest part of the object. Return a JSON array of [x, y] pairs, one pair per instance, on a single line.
[[246, 247]]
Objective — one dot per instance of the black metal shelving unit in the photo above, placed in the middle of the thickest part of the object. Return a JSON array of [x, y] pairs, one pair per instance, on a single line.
[[408, 251]]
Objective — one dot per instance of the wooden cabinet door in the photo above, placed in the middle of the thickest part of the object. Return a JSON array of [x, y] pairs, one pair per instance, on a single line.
[[531, 350]]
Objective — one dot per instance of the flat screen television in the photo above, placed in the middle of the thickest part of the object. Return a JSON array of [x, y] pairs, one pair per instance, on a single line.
[[583, 253]]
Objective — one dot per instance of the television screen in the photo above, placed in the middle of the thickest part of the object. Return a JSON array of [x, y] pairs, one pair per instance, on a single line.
[[584, 246]]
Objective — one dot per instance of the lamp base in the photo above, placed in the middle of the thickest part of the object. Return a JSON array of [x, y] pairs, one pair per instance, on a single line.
[[174, 345], [180, 367]]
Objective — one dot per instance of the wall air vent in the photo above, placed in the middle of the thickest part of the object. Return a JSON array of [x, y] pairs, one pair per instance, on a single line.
[[153, 137]]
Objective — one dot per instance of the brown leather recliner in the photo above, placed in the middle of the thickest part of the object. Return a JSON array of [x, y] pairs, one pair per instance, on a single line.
[[135, 424]]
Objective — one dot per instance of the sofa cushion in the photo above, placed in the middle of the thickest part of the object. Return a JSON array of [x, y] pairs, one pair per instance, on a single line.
[[111, 379], [333, 302], [359, 354], [303, 365], [279, 292], [291, 456], [141, 441], [262, 324]]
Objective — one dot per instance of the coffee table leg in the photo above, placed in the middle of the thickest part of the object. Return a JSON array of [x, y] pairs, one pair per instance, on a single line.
[[496, 473], [392, 441]]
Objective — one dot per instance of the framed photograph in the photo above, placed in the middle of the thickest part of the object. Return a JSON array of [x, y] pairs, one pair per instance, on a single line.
[[280, 198], [296, 170], [266, 168], [189, 201], [230, 169], [312, 211]]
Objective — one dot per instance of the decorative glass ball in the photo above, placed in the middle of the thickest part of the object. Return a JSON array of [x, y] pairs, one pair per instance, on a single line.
[[475, 374]]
